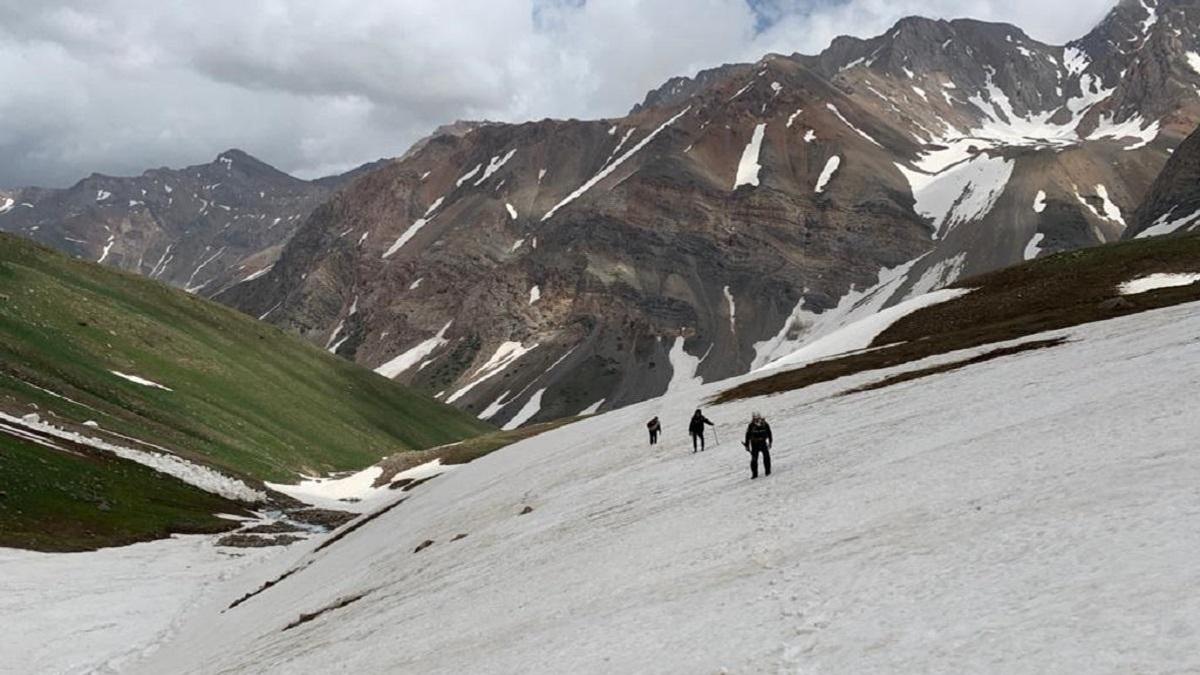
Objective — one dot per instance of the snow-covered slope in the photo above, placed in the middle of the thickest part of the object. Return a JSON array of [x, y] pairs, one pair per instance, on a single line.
[[1053, 533]]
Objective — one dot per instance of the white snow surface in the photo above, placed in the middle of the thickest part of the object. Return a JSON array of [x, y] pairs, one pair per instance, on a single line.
[[354, 491], [683, 369], [415, 354], [748, 166], [406, 236], [860, 334], [532, 407], [1034, 247], [608, 169], [832, 108], [140, 380], [1153, 282], [831, 167], [1164, 224], [732, 309], [961, 193], [512, 212], [100, 611], [107, 247], [1193, 60], [494, 165], [1046, 524], [535, 294], [1039, 202], [259, 274], [505, 355]]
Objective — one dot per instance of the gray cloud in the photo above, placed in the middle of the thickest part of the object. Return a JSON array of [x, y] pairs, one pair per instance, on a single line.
[[316, 86]]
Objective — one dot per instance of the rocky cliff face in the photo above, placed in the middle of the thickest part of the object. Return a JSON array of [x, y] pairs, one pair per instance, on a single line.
[[1172, 206], [536, 270], [202, 228]]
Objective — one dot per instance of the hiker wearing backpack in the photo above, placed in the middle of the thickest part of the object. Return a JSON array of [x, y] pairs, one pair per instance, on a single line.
[[696, 429], [655, 427], [758, 442]]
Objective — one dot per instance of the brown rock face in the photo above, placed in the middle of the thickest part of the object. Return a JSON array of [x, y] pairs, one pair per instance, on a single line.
[[532, 271], [1172, 205]]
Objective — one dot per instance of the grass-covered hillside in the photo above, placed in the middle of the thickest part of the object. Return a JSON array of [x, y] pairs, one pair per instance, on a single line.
[[232, 393], [243, 395]]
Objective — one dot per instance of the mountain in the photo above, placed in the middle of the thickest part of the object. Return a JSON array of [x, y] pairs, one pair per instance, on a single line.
[[1054, 523], [129, 409], [530, 271], [1173, 202], [201, 228]]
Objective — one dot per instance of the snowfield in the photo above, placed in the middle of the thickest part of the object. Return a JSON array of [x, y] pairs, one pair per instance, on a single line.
[[1044, 523], [99, 611]]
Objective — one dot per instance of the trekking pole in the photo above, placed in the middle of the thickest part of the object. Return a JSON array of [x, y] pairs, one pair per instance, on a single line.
[[716, 438]]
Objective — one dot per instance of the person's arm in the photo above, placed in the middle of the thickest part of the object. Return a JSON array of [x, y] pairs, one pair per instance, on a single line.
[[770, 439], [709, 422]]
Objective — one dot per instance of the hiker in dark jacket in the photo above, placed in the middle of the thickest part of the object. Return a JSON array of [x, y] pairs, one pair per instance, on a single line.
[[696, 429], [655, 427], [758, 441]]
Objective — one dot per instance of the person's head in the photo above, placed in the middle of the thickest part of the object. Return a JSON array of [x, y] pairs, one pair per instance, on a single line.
[[756, 417], [697, 413]]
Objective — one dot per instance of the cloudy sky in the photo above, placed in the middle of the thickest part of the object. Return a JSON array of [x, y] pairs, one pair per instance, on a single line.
[[319, 86]]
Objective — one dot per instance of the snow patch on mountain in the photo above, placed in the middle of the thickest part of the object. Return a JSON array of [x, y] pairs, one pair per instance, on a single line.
[[1135, 128], [415, 354], [604, 172], [532, 407], [860, 334], [1039, 201], [107, 247], [748, 166], [941, 274], [495, 164], [831, 167], [683, 369], [1164, 224], [1034, 247], [1153, 282], [961, 193], [732, 309], [140, 380], [406, 236], [506, 354], [832, 108]]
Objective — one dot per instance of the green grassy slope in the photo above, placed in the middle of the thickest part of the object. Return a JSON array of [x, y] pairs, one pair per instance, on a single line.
[[59, 501], [245, 396]]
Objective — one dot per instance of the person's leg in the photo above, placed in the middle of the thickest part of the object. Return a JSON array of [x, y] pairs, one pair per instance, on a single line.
[[701, 441], [753, 463], [767, 462], [695, 443]]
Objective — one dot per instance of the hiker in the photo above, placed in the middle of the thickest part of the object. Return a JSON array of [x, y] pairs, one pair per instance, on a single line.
[[758, 441], [655, 427], [696, 429]]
